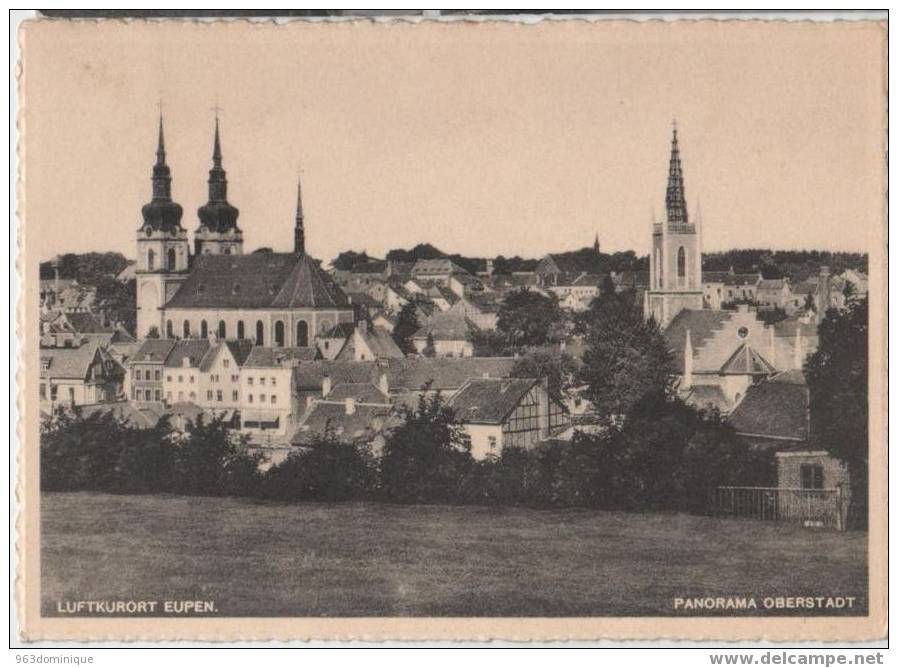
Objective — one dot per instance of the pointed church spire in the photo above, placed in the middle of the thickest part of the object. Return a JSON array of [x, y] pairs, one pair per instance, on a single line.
[[676, 195], [595, 246], [299, 234], [160, 148], [161, 172], [216, 150], [161, 213], [218, 180], [218, 217]]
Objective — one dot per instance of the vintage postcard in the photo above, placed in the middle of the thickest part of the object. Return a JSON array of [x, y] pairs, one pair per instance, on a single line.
[[452, 329]]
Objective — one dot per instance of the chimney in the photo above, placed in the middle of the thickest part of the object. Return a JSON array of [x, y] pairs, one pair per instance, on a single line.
[[384, 384], [687, 361], [350, 406]]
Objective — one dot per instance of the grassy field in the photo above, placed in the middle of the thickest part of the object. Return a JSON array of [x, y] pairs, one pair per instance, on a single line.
[[264, 559]]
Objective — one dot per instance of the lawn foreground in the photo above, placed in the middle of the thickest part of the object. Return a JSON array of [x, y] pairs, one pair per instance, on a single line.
[[366, 559]]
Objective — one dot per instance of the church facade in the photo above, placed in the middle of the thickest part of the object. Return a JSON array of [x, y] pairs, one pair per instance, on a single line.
[[273, 299]]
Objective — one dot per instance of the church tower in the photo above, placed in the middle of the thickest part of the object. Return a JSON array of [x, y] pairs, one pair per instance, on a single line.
[[675, 274], [163, 251], [218, 233], [299, 232]]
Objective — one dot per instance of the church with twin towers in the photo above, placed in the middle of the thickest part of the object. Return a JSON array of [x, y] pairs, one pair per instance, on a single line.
[[213, 288]]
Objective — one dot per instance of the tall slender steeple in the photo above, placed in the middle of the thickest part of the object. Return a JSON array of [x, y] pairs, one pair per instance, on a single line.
[[218, 231], [161, 213], [299, 233], [676, 196]]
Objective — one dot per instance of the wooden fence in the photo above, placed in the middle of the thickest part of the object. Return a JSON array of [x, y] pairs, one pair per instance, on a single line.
[[807, 507]]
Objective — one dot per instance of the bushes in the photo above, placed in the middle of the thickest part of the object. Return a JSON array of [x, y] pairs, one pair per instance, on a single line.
[[664, 457]]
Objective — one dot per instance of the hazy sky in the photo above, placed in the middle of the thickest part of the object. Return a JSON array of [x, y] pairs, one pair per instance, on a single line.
[[481, 139]]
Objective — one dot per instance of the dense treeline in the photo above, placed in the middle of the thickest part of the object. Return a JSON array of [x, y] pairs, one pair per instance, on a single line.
[[795, 265], [86, 268], [665, 457]]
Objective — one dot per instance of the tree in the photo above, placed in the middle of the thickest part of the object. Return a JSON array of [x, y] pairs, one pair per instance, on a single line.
[[348, 259], [153, 332], [211, 460], [119, 301], [426, 455], [558, 368], [837, 384], [406, 326], [528, 318], [626, 357]]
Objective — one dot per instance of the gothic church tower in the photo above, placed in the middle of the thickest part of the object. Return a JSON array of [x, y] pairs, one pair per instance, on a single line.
[[163, 251], [675, 274], [218, 233]]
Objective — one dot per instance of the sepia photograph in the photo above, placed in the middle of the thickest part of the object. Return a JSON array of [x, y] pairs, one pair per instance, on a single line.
[[403, 328]]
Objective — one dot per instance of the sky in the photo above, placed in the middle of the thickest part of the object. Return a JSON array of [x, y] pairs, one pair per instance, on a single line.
[[481, 139]]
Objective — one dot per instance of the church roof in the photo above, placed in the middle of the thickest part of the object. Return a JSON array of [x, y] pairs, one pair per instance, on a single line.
[[775, 408], [258, 281], [701, 324], [746, 361]]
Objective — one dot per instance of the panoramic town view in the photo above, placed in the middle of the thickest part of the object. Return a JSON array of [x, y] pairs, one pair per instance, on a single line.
[[423, 432]]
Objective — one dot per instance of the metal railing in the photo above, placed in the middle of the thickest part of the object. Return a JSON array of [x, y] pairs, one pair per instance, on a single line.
[[807, 507]]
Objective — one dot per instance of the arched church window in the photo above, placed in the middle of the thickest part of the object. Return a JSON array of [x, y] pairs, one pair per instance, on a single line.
[[186, 329], [302, 333], [222, 330], [151, 259], [204, 329], [260, 333], [240, 329], [172, 259], [279, 334], [169, 330], [681, 262]]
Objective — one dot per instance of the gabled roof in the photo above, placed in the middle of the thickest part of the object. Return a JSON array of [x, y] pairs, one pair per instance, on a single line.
[[381, 343], [775, 408], [370, 267], [747, 361], [154, 350], [436, 266], [447, 326], [703, 397], [362, 425], [87, 323], [192, 350], [363, 393], [701, 324], [490, 400], [70, 363], [341, 330], [123, 411], [240, 349], [257, 280], [262, 357], [772, 283]]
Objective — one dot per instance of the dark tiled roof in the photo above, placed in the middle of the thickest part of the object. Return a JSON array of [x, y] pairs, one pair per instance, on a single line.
[[436, 266], [447, 327], [707, 396], [772, 284], [360, 426], [340, 331], [154, 350], [68, 362], [267, 357], [746, 361], [258, 280], [87, 323], [363, 393], [490, 400], [381, 343], [701, 324], [192, 350], [240, 349], [123, 411], [370, 267], [774, 408]]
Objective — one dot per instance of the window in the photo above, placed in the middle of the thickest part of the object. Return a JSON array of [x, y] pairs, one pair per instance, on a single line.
[[191, 379], [208, 395], [743, 332], [158, 374], [279, 334], [54, 392], [139, 394], [204, 329], [169, 330], [274, 398], [158, 395], [168, 378], [492, 443], [168, 395], [180, 379], [136, 374], [192, 396], [151, 260], [240, 329], [234, 378], [226, 363], [249, 381], [260, 333], [273, 381], [261, 398], [222, 330], [302, 334], [234, 395], [186, 329], [172, 263], [811, 476], [262, 381], [218, 396], [249, 398], [43, 391]]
